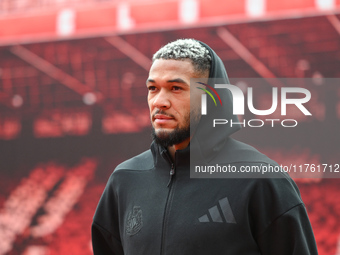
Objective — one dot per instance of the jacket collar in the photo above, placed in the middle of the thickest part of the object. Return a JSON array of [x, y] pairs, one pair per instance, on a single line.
[[162, 157]]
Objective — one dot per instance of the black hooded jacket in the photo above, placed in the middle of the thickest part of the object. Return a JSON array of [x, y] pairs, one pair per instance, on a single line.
[[151, 205]]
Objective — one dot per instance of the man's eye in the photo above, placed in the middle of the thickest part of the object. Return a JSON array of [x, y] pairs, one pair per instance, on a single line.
[[151, 88], [176, 88]]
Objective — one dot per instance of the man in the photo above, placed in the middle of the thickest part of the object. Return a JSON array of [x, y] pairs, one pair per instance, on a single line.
[[151, 205]]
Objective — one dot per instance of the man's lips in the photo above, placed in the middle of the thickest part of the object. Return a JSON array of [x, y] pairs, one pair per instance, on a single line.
[[161, 118]]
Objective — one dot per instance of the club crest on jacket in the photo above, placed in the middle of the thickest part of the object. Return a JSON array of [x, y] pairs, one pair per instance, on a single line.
[[134, 221]]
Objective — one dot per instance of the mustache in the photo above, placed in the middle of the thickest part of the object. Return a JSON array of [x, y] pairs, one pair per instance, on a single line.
[[163, 113]]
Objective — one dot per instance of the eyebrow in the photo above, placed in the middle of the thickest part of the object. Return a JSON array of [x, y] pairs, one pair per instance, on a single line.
[[177, 80]]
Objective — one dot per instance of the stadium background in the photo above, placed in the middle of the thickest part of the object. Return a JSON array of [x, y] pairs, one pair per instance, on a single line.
[[73, 102]]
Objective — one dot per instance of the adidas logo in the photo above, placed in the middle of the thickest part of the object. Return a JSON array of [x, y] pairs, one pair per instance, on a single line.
[[215, 213]]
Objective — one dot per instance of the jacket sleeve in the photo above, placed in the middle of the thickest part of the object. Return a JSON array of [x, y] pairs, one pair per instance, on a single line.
[[290, 234], [104, 243], [105, 227]]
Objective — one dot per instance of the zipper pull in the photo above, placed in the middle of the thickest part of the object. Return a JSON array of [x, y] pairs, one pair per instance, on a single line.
[[172, 172]]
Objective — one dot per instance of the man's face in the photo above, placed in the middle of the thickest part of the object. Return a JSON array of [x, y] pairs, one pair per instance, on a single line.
[[169, 100]]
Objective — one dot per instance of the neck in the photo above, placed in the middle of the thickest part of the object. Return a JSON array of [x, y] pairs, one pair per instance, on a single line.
[[172, 149]]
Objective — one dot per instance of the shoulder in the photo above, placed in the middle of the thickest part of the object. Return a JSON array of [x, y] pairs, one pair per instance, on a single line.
[[122, 173], [246, 162], [143, 161], [282, 190], [236, 151]]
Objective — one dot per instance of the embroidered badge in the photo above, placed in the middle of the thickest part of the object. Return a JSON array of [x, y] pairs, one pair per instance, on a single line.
[[134, 221]]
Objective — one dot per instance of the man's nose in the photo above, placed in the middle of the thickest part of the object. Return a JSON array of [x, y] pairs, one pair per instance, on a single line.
[[162, 100]]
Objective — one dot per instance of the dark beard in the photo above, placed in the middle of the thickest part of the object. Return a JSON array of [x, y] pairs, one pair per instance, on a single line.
[[178, 135], [167, 139]]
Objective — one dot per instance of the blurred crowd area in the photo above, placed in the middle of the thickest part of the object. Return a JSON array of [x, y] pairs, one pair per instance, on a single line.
[[37, 207]]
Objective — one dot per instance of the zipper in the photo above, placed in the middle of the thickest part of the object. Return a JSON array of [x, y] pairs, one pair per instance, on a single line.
[[172, 172], [172, 169], [165, 217]]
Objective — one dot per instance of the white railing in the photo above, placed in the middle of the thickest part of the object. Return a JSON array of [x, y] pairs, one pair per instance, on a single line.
[[20, 6]]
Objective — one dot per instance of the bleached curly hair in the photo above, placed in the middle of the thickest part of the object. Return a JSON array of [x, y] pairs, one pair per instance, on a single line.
[[182, 49]]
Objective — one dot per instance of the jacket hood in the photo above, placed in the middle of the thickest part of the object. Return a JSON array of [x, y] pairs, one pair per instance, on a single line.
[[208, 140]]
